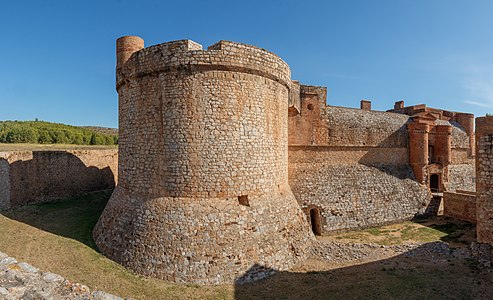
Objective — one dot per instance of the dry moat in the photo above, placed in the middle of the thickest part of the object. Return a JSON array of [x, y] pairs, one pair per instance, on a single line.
[[421, 259]]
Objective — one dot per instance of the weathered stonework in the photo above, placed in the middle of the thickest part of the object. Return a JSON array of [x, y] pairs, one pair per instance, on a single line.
[[203, 192], [210, 192], [460, 205], [4, 184], [484, 179], [353, 168], [39, 176]]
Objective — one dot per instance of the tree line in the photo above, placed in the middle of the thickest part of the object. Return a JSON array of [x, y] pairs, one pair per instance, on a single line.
[[40, 132]]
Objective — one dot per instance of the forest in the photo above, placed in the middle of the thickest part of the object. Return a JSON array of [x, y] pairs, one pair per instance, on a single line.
[[41, 132]]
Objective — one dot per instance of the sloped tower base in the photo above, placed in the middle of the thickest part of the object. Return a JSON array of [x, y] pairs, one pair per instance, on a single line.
[[205, 241], [203, 192]]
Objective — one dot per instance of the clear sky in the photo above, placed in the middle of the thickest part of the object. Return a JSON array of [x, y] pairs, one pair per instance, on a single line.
[[58, 57]]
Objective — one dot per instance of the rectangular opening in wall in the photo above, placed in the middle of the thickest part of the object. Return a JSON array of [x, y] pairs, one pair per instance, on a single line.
[[243, 200]]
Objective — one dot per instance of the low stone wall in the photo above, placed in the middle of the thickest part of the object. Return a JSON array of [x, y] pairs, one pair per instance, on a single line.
[[460, 205], [39, 176]]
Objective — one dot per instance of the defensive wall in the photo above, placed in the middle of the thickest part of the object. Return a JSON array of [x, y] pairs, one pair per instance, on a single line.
[[484, 179], [38, 176], [225, 164], [203, 193], [351, 168]]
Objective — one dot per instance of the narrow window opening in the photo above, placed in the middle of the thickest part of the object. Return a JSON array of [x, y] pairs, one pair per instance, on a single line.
[[310, 106], [243, 200], [315, 221]]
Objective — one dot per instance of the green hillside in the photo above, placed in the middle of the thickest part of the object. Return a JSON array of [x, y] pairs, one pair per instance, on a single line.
[[40, 132]]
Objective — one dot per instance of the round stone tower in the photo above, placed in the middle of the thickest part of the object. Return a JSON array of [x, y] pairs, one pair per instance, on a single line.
[[203, 192]]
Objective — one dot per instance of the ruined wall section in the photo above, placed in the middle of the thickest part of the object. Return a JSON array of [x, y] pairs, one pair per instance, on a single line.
[[39, 176], [203, 194]]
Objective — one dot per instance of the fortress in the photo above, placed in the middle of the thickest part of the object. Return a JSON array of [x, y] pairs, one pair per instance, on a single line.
[[227, 168]]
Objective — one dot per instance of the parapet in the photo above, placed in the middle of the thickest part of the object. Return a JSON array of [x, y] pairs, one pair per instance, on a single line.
[[186, 55]]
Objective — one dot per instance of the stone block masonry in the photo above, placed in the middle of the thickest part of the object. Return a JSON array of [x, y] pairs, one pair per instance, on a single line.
[[484, 179], [39, 176], [203, 192], [460, 205]]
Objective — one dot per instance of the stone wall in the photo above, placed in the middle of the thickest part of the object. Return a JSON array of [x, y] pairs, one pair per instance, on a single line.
[[484, 179], [462, 177], [356, 127], [203, 192], [39, 176], [460, 205], [4, 185], [355, 188]]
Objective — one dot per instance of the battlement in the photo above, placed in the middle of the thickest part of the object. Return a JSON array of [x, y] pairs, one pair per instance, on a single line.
[[189, 56]]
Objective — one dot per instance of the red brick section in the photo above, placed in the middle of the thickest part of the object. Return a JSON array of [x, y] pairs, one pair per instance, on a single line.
[[125, 47], [484, 179], [443, 144], [365, 104], [418, 149]]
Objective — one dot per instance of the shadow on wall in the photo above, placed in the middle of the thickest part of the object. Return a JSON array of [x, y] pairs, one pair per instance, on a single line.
[[53, 175], [391, 156], [427, 272]]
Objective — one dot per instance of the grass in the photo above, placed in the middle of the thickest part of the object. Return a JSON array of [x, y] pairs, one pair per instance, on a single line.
[[56, 237], [52, 147], [421, 231]]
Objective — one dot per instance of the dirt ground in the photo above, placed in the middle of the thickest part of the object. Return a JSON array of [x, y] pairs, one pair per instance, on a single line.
[[424, 259]]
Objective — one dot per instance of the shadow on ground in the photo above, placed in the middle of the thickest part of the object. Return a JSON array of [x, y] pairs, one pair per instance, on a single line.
[[422, 273], [72, 217], [430, 271]]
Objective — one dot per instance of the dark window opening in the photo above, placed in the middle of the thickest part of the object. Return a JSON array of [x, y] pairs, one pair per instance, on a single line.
[[315, 221], [310, 106], [434, 183], [243, 200]]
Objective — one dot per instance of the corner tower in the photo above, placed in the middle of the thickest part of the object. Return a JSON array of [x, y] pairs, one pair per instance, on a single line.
[[203, 192]]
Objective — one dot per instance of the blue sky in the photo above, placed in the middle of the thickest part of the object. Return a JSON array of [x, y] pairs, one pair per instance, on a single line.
[[58, 57]]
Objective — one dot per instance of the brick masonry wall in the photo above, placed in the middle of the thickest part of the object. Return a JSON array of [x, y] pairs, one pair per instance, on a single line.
[[460, 205], [31, 177], [203, 192]]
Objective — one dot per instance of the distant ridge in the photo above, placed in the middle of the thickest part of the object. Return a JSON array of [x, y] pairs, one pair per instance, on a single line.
[[41, 132], [103, 130]]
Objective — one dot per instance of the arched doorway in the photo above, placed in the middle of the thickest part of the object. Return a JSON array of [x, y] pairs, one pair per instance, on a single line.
[[435, 183], [315, 221]]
